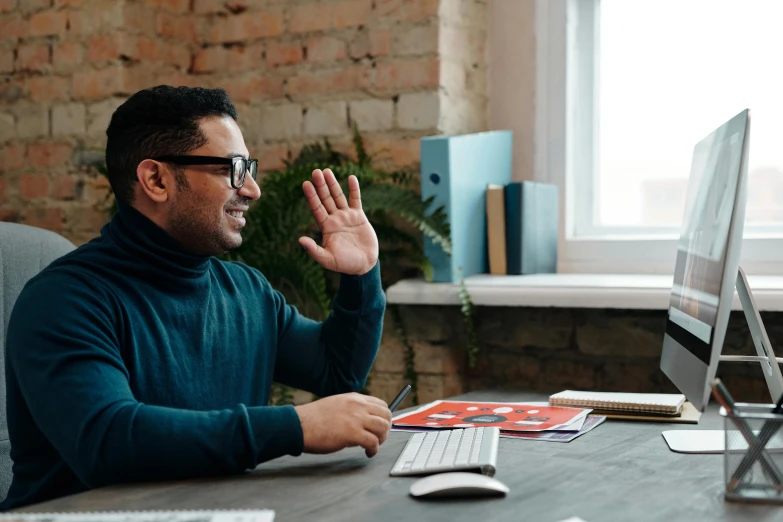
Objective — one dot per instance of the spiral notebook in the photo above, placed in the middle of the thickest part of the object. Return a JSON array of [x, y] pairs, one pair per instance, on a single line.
[[653, 403]]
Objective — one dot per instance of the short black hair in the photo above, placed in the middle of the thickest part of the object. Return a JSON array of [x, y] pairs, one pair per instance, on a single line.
[[158, 121]]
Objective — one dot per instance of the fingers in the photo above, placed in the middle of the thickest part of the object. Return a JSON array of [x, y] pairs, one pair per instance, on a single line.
[[319, 212], [335, 189], [370, 443], [377, 426], [323, 190], [381, 411], [354, 194], [322, 257]]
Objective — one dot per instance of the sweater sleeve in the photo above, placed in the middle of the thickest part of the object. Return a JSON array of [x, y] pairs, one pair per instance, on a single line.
[[334, 356], [63, 346]]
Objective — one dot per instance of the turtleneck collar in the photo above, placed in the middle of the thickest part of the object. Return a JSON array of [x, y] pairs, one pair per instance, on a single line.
[[144, 239]]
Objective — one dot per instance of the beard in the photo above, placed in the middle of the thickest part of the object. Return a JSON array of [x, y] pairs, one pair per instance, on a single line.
[[198, 226]]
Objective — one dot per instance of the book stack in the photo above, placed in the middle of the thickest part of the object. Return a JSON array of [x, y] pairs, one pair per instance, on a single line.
[[522, 228]]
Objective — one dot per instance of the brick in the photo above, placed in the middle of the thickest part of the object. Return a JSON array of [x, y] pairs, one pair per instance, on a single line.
[[6, 6], [415, 40], [66, 56], [408, 74], [93, 84], [32, 121], [220, 6], [563, 374], [46, 218], [46, 88], [99, 115], [283, 53], [180, 28], [437, 359], [101, 17], [420, 110], [325, 49], [311, 17], [248, 26], [48, 23], [11, 158], [239, 58], [434, 387], [271, 157], [380, 42], [33, 57], [104, 47], [6, 60], [12, 89], [174, 6], [372, 115], [12, 215], [69, 3], [281, 122], [7, 127], [139, 18], [87, 219], [13, 28], [602, 334], [345, 79], [3, 190], [326, 119], [31, 6], [173, 54], [65, 187], [254, 87], [350, 13], [386, 385], [396, 153], [69, 119], [413, 10], [48, 154], [33, 186]]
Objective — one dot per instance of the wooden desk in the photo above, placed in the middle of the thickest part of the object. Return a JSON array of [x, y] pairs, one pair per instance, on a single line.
[[620, 471]]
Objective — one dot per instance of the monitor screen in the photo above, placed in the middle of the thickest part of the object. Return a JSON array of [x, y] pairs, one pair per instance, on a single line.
[[707, 260]]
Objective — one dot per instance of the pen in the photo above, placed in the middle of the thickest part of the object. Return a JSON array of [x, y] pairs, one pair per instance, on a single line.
[[724, 398], [399, 398]]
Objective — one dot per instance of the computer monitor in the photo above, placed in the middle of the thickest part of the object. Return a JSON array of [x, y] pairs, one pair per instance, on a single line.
[[707, 271]]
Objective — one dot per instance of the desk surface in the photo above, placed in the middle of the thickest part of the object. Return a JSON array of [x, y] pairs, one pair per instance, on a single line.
[[619, 471]]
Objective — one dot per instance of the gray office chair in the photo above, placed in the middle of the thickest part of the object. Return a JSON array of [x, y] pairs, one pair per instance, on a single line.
[[24, 251]]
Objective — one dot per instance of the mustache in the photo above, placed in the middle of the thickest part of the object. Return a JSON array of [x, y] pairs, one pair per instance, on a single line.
[[241, 202]]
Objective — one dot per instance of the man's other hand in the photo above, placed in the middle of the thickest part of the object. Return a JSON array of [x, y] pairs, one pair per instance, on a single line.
[[342, 421]]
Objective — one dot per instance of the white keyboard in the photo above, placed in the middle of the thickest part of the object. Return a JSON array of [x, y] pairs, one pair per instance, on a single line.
[[466, 449]]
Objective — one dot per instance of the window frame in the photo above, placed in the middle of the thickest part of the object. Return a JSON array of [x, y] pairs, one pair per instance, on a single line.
[[565, 155]]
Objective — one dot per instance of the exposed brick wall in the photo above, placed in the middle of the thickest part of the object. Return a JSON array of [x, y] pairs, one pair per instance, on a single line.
[[552, 349], [298, 71]]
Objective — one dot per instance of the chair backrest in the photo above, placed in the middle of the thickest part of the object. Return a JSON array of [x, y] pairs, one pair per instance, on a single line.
[[24, 251]]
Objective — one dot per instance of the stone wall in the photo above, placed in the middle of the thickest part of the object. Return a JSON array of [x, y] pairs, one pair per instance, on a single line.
[[297, 70], [549, 350]]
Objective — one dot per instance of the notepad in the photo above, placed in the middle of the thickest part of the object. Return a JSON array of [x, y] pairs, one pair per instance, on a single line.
[[660, 403]]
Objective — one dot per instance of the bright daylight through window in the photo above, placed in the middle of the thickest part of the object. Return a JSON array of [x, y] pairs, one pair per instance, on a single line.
[[669, 72]]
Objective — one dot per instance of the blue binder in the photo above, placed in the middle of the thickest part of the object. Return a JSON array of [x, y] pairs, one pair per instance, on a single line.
[[456, 171]]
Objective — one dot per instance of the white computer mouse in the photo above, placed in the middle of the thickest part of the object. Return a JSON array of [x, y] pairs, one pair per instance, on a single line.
[[458, 484]]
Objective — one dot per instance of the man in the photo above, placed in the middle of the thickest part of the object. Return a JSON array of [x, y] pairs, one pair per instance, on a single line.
[[140, 356]]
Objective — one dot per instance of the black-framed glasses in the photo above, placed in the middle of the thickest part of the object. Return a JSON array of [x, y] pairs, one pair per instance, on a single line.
[[240, 166]]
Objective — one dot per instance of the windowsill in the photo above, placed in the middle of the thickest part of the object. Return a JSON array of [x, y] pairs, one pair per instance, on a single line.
[[646, 292]]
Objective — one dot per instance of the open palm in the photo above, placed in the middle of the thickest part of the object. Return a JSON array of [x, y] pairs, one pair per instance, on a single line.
[[350, 245]]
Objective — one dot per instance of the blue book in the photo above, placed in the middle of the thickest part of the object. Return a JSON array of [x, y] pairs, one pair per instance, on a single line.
[[531, 228], [455, 170]]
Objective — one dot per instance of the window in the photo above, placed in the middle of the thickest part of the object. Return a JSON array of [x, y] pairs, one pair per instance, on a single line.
[[625, 89]]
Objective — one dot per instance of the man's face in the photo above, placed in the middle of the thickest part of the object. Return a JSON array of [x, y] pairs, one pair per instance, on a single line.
[[206, 213]]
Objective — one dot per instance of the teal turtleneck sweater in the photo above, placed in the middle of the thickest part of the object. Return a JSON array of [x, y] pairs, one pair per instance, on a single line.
[[130, 359]]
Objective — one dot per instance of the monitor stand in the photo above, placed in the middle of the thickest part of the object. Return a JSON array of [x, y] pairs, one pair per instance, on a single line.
[[713, 441]]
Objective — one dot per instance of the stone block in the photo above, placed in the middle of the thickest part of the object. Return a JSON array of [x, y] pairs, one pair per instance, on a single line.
[[281, 122], [419, 110], [326, 119], [634, 333], [506, 327], [372, 114]]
